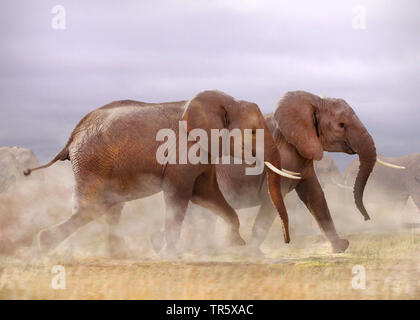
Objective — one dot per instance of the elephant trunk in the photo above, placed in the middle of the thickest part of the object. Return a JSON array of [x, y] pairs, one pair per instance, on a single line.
[[272, 155], [362, 143]]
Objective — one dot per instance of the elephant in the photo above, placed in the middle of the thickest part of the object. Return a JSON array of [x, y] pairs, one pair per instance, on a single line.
[[113, 152], [331, 181], [25, 158], [390, 189], [12, 163], [328, 173], [304, 125], [13, 160], [329, 177], [8, 170]]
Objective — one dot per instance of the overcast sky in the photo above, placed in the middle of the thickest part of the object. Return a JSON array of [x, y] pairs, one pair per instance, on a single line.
[[169, 50]]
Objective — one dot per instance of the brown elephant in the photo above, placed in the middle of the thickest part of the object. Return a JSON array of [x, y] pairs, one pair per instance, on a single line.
[[390, 188], [113, 154], [331, 181], [330, 178], [304, 125]]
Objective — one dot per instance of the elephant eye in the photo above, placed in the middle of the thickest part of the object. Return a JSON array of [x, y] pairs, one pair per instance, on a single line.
[[342, 125]]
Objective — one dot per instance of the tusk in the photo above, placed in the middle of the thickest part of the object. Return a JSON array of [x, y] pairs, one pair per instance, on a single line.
[[389, 165], [343, 186], [291, 172], [280, 172]]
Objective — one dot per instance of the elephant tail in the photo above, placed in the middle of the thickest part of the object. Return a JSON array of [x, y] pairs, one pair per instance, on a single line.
[[62, 155]]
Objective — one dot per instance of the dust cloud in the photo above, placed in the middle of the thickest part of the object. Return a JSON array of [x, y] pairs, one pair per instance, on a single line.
[[205, 267], [45, 199]]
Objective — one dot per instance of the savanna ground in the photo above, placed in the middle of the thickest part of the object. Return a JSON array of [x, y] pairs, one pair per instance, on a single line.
[[305, 270]]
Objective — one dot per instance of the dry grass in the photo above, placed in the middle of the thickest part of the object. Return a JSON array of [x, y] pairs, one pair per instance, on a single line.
[[302, 271]]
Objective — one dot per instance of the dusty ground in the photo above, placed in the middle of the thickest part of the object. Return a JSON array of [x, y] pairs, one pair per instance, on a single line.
[[304, 270]]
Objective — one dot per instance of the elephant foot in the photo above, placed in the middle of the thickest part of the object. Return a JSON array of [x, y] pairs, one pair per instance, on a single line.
[[47, 240], [340, 245], [157, 241], [236, 239], [170, 254], [255, 242], [255, 252]]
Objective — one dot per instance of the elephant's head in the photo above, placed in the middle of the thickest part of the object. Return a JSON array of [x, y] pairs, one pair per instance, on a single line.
[[216, 110], [315, 124]]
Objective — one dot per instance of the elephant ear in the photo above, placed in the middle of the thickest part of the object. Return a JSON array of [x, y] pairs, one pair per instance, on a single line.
[[207, 110], [297, 118], [195, 116]]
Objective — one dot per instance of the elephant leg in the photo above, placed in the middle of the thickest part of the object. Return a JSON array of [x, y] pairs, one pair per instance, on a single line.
[[263, 221], [176, 204], [199, 228], [177, 187], [51, 237], [310, 192], [208, 227], [207, 194], [115, 240]]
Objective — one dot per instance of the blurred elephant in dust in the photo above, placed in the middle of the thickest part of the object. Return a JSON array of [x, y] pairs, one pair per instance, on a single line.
[[8, 170], [329, 177], [328, 173], [389, 189], [336, 194], [332, 182], [304, 125], [113, 151], [13, 161]]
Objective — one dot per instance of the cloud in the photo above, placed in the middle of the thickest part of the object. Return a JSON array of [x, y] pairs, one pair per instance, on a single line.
[[170, 50]]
